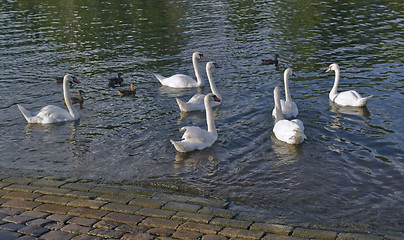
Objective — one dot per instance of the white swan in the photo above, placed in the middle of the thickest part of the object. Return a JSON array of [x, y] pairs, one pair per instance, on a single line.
[[181, 80], [288, 107], [196, 102], [198, 138], [51, 113], [347, 98], [289, 131]]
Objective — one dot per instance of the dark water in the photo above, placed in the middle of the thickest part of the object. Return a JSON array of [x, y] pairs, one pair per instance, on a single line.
[[348, 172]]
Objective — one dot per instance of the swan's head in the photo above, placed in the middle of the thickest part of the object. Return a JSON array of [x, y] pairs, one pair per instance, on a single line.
[[212, 97], [289, 72], [71, 78], [333, 67], [198, 55], [211, 64]]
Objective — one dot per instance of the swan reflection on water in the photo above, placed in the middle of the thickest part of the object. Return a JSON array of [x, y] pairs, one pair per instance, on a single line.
[[286, 153], [358, 111], [52, 128]]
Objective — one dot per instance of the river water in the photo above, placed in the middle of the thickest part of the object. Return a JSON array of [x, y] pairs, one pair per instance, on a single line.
[[350, 169]]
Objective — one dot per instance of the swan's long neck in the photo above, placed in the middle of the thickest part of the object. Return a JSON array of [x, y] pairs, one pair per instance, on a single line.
[[278, 111], [66, 95], [336, 81], [209, 116], [286, 83], [197, 73], [212, 84]]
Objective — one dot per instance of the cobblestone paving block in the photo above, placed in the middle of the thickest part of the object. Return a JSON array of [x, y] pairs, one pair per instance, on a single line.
[[160, 223], [87, 212], [213, 237], [8, 235], [200, 227], [155, 212], [94, 204], [181, 234], [272, 228], [21, 188], [132, 228], [106, 233], [77, 186], [39, 222], [52, 235], [52, 191], [356, 236], [47, 183], [54, 226], [4, 184], [193, 217], [35, 214], [209, 202], [52, 208], [22, 204], [178, 206], [18, 219], [147, 202], [35, 231], [231, 222], [116, 207], [270, 236], [161, 231], [241, 233], [59, 217], [10, 211], [19, 180], [137, 236], [226, 213], [87, 222], [87, 237], [123, 218], [74, 228], [109, 190], [172, 197], [115, 199], [106, 224], [11, 226], [3, 192], [53, 199], [314, 233], [81, 195], [22, 196]]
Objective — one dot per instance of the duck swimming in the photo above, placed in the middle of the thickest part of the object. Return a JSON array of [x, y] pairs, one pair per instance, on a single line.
[[130, 92], [115, 80]]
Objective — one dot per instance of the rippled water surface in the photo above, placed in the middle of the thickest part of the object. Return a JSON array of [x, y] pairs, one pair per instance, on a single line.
[[350, 169]]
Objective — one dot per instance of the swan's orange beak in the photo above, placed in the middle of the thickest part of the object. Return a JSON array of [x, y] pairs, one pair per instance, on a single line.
[[76, 80], [216, 99], [329, 69], [201, 56]]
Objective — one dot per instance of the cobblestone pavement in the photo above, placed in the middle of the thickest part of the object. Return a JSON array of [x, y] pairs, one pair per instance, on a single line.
[[51, 208]]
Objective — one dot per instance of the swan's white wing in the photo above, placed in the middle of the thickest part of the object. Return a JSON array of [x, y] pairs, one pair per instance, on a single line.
[[47, 114], [194, 138], [291, 132], [177, 81]]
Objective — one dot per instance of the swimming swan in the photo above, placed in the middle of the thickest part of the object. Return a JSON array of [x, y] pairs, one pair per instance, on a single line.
[[347, 98], [196, 102], [288, 107], [51, 113], [181, 80], [289, 131], [198, 138]]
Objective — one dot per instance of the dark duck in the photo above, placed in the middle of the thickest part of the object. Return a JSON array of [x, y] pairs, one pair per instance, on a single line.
[[116, 80], [271, 61]]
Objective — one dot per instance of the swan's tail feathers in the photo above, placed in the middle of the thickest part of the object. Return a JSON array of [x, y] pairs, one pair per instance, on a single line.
[[178, 146], [363, 101], [27, 114], [181, 105], [159, 77]]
